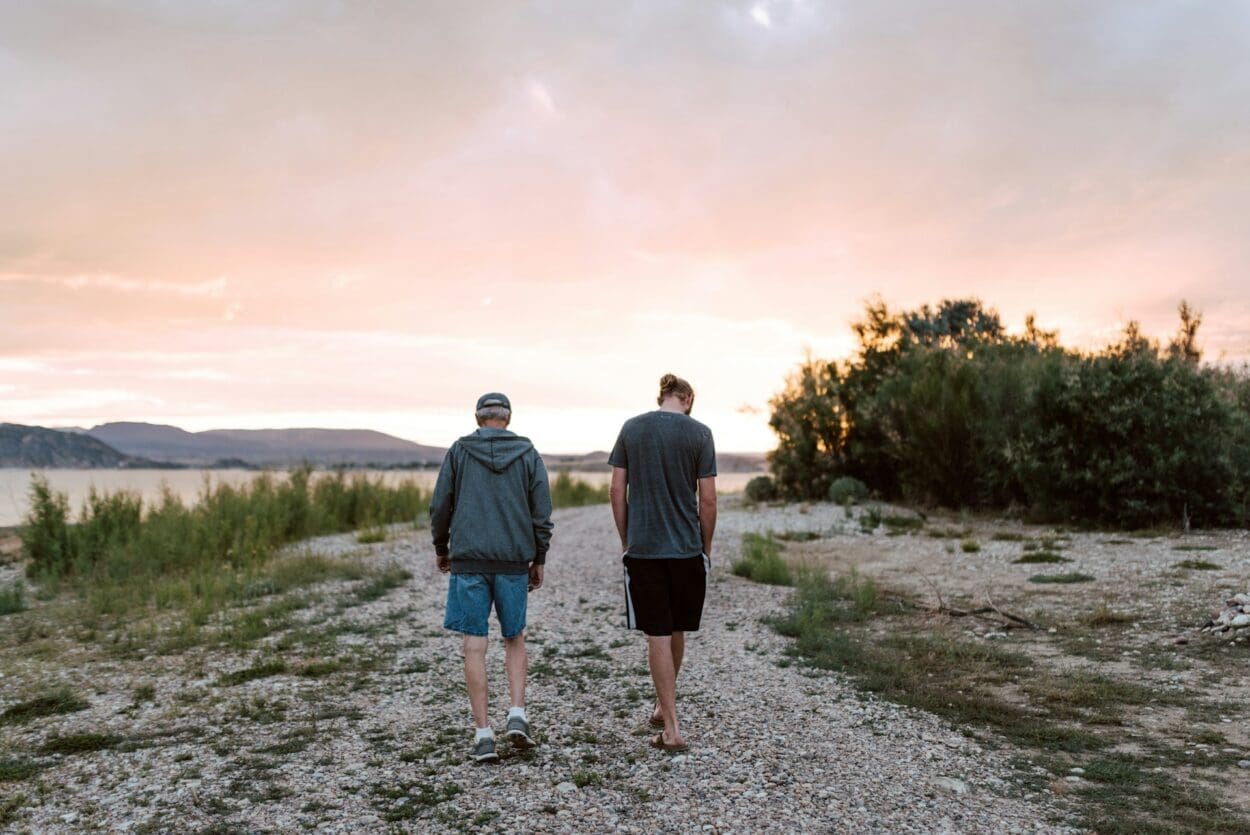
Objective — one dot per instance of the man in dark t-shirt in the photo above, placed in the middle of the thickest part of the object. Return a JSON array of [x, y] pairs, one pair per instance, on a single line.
[[664, 503]]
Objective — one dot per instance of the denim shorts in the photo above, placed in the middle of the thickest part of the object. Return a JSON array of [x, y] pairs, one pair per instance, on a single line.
[[469, 597]]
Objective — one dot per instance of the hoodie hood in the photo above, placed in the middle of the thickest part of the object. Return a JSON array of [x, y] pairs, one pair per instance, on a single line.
[[496, 449]]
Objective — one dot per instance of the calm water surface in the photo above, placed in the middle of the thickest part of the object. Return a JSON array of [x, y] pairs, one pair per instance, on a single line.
[[15, 483]]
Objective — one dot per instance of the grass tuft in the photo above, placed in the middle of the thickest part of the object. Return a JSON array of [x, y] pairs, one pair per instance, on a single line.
[[371, 535], [266, 669], [1199, 565], [761, 561], [80, 743], [1105, 616], [1038, 557], [13, 769], [51, 703], [1069, 577]]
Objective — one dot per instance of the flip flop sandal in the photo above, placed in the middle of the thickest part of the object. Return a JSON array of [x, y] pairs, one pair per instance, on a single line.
[[658, 742], [653, 721]]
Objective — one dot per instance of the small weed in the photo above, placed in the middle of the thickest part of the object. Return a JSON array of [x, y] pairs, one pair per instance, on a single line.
[[798, 536], [1104, 616], [970, 546], [870, 520], [582, 779], [1070, 577], [903, 524], [1008, 536], [319, 669], [589, 651], [380, 583], [371, 535], [10, 808], [1186, 548]]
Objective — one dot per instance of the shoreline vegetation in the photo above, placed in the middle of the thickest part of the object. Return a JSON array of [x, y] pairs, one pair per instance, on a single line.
[[121, 558], [942, 407]]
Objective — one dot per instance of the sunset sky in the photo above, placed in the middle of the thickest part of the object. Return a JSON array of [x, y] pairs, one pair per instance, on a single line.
[[364, 214]]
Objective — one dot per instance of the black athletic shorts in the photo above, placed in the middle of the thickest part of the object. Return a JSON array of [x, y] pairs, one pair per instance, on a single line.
[[663, 596]]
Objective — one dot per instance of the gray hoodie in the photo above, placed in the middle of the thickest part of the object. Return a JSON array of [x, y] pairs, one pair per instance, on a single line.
[[491, 509]]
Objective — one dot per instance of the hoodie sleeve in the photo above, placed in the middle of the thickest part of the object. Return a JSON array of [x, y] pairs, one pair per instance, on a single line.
[[442, 503], [540, 510]]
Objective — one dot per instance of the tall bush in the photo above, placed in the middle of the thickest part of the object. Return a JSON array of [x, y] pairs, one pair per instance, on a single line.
[[940, 405]]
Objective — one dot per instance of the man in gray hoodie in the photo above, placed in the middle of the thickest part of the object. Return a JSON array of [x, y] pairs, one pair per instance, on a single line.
[[491, 520]]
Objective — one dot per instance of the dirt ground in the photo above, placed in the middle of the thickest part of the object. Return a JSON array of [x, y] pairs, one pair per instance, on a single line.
[[1134, 616]]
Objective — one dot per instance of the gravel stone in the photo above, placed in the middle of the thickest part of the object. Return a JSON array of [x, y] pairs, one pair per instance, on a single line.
[[773, 749]]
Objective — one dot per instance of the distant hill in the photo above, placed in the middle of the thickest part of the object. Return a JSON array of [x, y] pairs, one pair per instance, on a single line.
[[34, 446], [265, 447], [726, 462]]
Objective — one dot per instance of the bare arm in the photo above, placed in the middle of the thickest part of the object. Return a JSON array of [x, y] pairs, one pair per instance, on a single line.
[[620, 504], [707, 512]]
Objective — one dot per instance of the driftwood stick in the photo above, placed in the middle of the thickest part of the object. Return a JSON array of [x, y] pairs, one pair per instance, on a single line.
[[1016, 618], [936, 591]]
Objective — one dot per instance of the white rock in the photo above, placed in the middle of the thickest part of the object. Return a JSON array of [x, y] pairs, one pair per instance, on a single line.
[[1240, 621], [1243, 763], [566, 787], [1080, 772], [952, 784]]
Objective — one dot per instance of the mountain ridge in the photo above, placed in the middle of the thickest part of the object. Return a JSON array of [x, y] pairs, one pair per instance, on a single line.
[[265, 447], [37, 446]]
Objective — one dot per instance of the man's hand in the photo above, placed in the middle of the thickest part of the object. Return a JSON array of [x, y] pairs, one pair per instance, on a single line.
[[443, 563], [536, 577]]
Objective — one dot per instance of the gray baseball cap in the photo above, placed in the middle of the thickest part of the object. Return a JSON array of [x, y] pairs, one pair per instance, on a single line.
[[493, 398]]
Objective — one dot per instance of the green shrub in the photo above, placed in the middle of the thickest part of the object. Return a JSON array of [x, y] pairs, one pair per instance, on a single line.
[[847, 490], [970, 546], [121, 554], [567, 491], [13, 599], [761, 561], [761, 489], [942, 406], [45, 535]]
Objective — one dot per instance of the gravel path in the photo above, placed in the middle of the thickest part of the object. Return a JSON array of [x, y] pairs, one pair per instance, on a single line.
[[773, 749]]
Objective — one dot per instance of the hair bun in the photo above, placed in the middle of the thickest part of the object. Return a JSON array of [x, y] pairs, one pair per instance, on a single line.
[[667, 380]]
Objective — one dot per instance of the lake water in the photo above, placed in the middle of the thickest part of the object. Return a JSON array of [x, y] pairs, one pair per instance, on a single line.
[[15, 483]]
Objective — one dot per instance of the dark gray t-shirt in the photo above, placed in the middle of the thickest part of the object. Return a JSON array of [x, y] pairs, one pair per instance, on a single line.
[[664, 455]]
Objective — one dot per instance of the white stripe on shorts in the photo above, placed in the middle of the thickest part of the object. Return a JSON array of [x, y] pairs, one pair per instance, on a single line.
[[630, 620]]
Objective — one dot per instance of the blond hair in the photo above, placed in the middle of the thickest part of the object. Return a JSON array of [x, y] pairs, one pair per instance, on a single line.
[[673, 386]]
